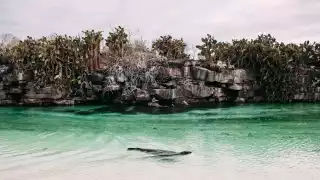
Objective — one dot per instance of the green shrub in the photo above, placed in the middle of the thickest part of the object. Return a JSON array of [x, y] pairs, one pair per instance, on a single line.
[[117, 42], [58, 60], [170, 47], [277, 66]]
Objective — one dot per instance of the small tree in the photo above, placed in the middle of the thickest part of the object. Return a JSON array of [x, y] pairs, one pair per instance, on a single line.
[[117, 41], [170, 48], [207, 49], [92, 41]]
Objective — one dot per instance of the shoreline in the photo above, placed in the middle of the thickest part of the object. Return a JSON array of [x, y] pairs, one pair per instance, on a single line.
[[91, 109], [182, 83]]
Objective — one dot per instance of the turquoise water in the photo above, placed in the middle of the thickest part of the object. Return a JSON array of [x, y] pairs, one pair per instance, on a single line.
[[89, 143]]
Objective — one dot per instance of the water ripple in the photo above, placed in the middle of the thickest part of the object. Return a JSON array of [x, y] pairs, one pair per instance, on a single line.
[[244, 142]]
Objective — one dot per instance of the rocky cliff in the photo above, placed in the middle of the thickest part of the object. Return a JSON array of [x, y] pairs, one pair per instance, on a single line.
[[178, 82]]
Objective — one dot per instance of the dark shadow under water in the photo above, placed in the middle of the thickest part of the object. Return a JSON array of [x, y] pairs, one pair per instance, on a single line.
[[126, 109]]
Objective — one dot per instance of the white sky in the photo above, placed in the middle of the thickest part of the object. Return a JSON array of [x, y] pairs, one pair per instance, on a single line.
[[287, 20]]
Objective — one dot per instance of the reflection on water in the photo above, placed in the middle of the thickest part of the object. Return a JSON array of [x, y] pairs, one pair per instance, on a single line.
[[86, 143]]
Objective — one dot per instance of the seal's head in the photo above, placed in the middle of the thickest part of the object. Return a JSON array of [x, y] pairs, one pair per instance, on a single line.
[[133, 149], [185, 152]]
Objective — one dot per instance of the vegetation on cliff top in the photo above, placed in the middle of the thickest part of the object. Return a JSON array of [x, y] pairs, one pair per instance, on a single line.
[[170, 47], [62, 59], [277, 66]]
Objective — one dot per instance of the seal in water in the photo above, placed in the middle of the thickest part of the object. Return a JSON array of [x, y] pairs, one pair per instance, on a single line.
[[159, 152]]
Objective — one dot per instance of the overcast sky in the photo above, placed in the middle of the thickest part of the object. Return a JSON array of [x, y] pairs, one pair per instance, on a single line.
[[287, 20]]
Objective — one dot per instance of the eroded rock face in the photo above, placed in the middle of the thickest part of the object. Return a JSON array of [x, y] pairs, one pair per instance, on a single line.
[[44, 93], [240, 100], [247, 92], [96, 78], [97, 88], [220, 77], [30, 101], [9, 79], [200, 73], [170, 84], [4, 69], [199, 90], [187, 71], [110, 80], [64, 102], [235, 87], [154, 104], [242, 76], [175, 72], [6, 102], [165, 94], [236, 76], [185, 83], [317, 96], [2, 95], [15, 90], [219, 93], [141, 95], [192, 92], [307, 96], [110, 88], [24, 76], [121, 78]]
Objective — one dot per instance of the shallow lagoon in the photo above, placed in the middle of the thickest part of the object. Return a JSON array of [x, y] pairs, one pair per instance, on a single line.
[[232, 142]]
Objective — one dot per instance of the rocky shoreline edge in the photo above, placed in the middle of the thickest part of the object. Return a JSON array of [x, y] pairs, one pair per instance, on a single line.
[[179, 82]]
